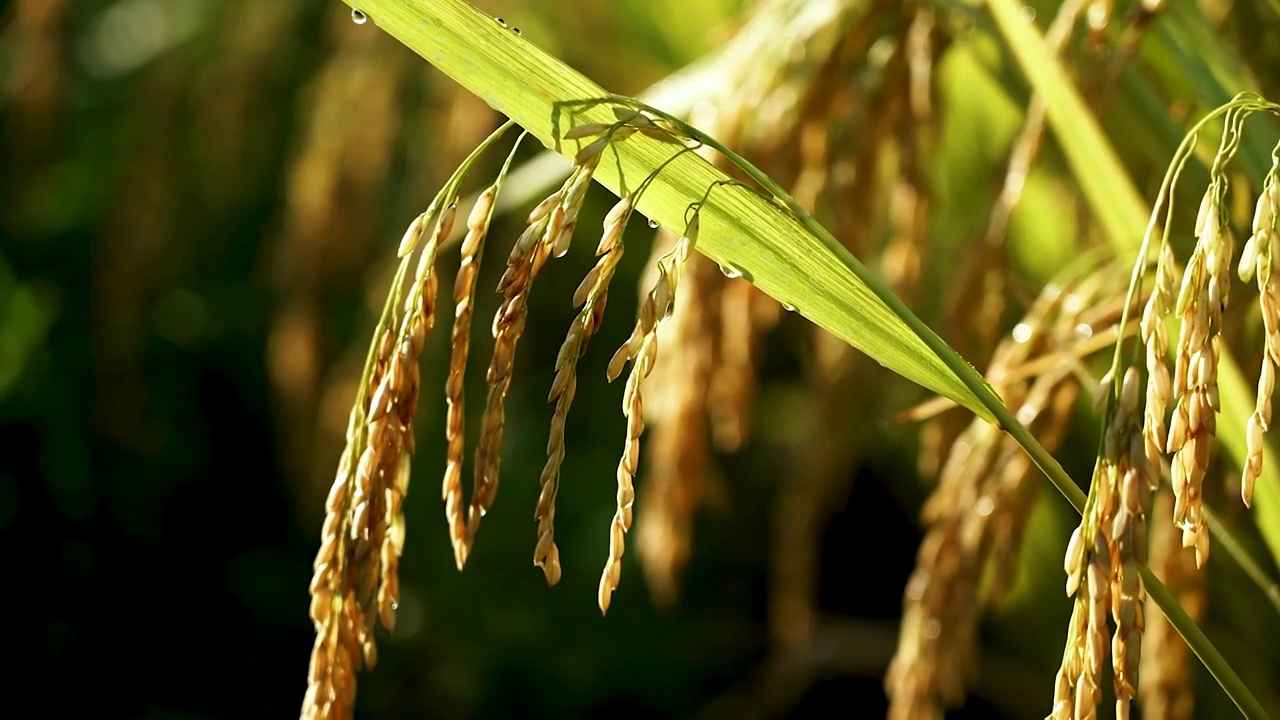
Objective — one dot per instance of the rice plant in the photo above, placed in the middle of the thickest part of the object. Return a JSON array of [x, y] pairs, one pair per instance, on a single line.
[[836, 225]]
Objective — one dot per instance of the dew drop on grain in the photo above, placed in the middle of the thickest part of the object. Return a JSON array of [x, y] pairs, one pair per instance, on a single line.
[[358, 17]]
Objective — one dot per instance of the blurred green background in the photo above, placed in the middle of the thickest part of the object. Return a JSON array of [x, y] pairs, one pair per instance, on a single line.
[[202, 201]]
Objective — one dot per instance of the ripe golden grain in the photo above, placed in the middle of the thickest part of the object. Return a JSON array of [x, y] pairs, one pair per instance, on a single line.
[[641, 349], [463, 299], [356, 581], [592, 296], [1259, 258], [1103, 574]]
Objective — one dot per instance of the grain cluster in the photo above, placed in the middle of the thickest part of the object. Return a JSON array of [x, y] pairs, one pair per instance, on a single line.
[[356, 582]]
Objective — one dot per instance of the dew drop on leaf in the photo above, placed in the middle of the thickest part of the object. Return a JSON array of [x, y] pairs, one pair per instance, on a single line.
[[358, 17], [788, 307], [653, 223], [502, 22], [515, 30], [730, 271]]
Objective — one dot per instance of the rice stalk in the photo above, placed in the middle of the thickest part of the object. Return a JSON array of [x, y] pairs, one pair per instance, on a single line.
[[952, 362], [1257, 259], [592, 297], [550, 229], [546, 554]]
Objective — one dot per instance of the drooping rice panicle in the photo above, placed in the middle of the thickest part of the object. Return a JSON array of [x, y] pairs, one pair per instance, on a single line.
[[355, 585], [641, 349], [1200, 302], [1259, 258], [677, 456], [356, 582], [551, 227], [1103, 573], [464, 300], [591, 296]]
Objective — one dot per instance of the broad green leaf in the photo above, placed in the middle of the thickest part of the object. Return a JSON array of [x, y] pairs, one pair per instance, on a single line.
[[740, 229]]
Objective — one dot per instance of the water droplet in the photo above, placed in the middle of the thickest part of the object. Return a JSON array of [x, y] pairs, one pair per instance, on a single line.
[[502, 22], [984, 506], [515, 30], [653, 223], [358, 17], [1021, 332], [788, 307], [730, 271]]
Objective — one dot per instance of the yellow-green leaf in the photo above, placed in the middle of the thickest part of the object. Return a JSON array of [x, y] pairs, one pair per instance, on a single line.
[[741, 230]]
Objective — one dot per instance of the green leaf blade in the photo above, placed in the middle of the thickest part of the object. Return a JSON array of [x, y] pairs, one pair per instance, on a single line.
[[739, 228]]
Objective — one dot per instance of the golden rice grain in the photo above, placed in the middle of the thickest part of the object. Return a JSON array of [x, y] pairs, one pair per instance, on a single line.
[[641, 349]]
